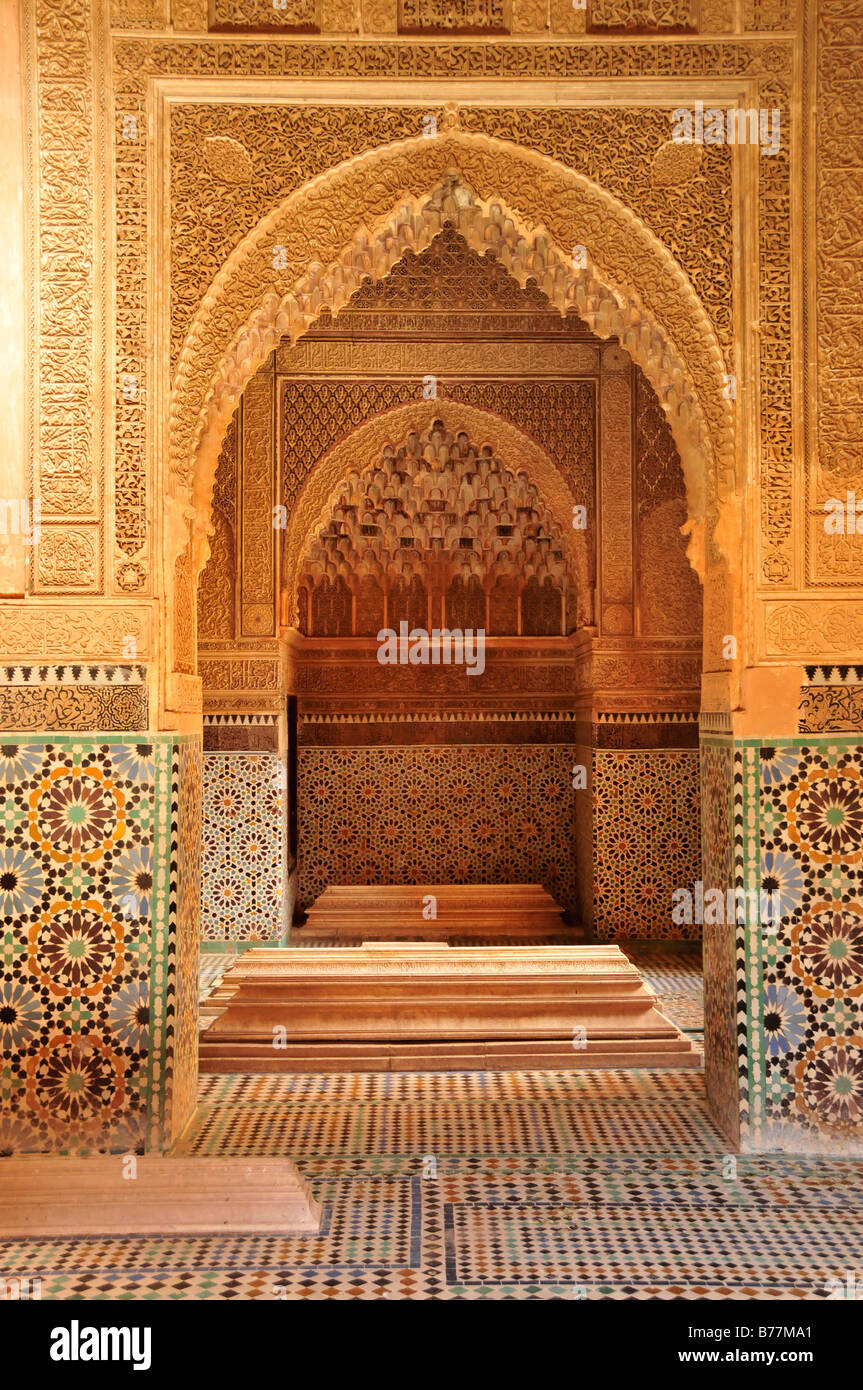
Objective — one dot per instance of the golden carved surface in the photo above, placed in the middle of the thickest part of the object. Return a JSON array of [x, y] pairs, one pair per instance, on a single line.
[[615, 149], [529, 16], [138, 59], [432, 292], [440, 357], [185, 651], [258, 547], [217, 583], [301, 16], [658, 15], [362, 447], [669, 594], [66, 434], [74, 631], [67, 560], [839, 262], [235, 673], [821, 628], [200, 408], [775, 342], [454, 16], [439, 514], [615, 499]]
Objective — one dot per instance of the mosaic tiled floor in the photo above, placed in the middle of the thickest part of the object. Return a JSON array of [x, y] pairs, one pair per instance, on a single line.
[[528, 1185], [676, 976], [523, 1185]]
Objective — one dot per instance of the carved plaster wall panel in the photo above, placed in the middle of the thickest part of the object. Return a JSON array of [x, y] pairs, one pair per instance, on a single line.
[[258, 543], [616, 493], [210, 221], [139, 14], [662, 16], [460, 17], [669, 594], [261, 16], [365, 444], [837, 561], [443, 515], [559, 415], [826, 630], [68, 560], [779, 487], [97, 697], [623, 59], [441, 357], [480, 221], [217, 585], [73, 631]]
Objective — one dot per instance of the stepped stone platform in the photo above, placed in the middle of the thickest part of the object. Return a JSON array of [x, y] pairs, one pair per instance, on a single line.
[[43, 1196], [416, 1006], [365, 912]]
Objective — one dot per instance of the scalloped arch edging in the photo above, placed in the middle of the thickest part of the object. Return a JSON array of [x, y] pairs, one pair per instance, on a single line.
[[357, 219]]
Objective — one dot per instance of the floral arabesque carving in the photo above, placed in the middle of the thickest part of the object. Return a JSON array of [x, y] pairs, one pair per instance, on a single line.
[[318, 245], [364, 446]]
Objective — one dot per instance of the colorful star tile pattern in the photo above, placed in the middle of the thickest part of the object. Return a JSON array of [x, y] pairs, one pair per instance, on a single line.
[[242, 862], [97, 941], [645, 840], [486, 1186], [810, 802], [76, 891]]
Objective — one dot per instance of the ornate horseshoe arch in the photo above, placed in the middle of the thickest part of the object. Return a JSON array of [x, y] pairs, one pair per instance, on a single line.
[[542, 220]]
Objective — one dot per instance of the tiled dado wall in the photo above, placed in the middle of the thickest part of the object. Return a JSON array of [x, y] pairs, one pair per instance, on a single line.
[[638, 827], [448, 814], [244, 885], [99, 869], [785, 1056], [610, 853]]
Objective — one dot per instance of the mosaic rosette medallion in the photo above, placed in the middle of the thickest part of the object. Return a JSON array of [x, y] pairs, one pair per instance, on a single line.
[[91, 942], [810, 803]]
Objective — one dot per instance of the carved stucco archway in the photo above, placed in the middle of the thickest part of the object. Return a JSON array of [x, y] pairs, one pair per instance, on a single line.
[[363, 446], [316, 247]]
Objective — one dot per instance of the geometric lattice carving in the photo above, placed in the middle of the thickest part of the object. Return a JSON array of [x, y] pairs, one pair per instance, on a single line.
[[669, 594], [441, 511], [361, 820]]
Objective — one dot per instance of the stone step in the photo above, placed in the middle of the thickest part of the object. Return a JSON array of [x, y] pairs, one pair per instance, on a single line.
[[45, 1196], [363, 912], [509, 1055]]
